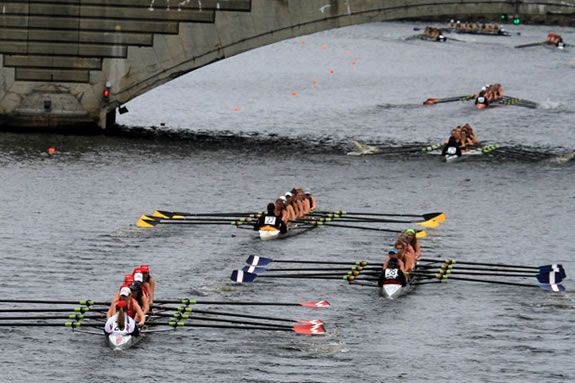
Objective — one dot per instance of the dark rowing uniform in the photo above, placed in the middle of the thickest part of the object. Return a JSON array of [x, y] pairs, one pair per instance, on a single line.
[[451, 148], [271, 220], [392, 276]]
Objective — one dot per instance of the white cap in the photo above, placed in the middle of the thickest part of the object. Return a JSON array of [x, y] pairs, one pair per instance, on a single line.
[[288, 194], [139, 277], [484, 88], [452, 20], [307, 191], [125, 292], [283, 198]]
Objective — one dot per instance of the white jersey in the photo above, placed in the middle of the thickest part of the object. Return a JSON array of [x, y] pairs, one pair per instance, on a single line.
[[112, 325]]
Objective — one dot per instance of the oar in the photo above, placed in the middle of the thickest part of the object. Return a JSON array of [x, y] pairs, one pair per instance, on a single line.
[[71, 316], [433, 101], [85, 302], [256, 260], [500, 265], [340, 217], [149, 222], [438, 216], [175, 214], [544, 286], [531, 44], [185, 309], [259, 270], [308, 329], [187, 301], [212, 319], [506, 100], [240, 276], [419, 234]]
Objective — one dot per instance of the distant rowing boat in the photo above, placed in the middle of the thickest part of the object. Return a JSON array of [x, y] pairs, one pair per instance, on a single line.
[[267, 233]]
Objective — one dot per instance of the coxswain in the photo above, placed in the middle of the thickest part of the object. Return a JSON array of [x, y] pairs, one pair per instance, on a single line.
[[311, 199], [411, 238], [270, 219], [132, 307], [481, 101], [139, 294], [121, 321], [453, 145], [393, 253], [392, 273], [149, 282]]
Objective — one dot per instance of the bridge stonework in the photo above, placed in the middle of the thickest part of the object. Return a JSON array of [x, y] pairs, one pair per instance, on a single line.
[[58, 56]]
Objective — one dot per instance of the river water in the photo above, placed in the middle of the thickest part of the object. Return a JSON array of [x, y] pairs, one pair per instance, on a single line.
[[232, 137]]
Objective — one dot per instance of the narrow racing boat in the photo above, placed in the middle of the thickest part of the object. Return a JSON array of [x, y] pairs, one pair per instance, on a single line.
[[392, 287], [267, 233]]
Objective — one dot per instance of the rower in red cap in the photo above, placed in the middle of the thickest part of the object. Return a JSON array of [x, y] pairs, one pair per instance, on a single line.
[[149, 282], [121, 321], [133, 309]]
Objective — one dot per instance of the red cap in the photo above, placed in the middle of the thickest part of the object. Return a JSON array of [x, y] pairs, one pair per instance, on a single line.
[[128, 278], [121, 304], [145, 268], [137, 270]]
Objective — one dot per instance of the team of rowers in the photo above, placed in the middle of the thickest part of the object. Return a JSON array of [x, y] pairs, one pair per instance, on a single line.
[[488, 94], [462, 137], [294, 204], [467, 27], [131, 302], [402, 258]]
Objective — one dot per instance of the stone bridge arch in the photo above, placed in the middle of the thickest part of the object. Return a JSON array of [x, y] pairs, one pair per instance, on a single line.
[[73, 62]]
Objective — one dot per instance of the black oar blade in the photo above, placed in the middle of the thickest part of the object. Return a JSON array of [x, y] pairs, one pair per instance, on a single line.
[[255, 260], [241, 276]]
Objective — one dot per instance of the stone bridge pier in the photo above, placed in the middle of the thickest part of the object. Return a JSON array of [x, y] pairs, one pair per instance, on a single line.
[[72, 63]]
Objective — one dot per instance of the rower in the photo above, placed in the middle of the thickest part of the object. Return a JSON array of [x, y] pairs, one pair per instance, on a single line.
[[271, 219], [133, 308], [311, 199], [406, 253], [411, 239], [470, 134], [139, 293], [149, 282], [121, 321], [393, 254], [300, 202], [392, 274], [292, 214], [128, 278]]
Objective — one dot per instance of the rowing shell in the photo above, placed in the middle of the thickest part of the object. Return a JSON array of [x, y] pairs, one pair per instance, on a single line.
[[392, 289], [455, 158], [118, 340], [267, 233]]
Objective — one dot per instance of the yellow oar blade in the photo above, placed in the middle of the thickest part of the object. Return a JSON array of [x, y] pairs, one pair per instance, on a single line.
[[146, 222], [421, 234], [431, 223], [162, 214], [440, 218]]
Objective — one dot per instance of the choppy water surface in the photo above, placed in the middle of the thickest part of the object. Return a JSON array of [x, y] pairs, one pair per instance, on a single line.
[[234, 138]]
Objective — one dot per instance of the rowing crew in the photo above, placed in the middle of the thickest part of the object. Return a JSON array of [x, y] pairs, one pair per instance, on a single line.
[[295, 204], [462, 138], [555, 39], [402, 258], [434, 34], [467, 27], [132, 302], [488, 94]]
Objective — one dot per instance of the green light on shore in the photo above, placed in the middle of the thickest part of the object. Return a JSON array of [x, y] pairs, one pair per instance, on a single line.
[[503, 17], [516, 20]]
